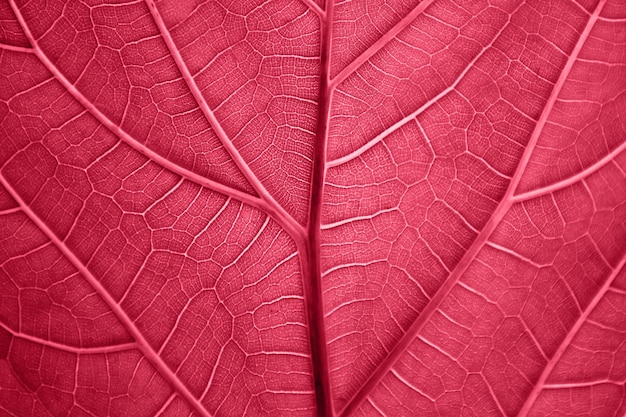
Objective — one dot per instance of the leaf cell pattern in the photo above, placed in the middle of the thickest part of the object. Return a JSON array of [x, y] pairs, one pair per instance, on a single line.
[[307, 208]]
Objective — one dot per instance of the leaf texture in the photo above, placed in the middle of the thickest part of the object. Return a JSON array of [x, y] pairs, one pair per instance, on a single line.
[[298, 208]]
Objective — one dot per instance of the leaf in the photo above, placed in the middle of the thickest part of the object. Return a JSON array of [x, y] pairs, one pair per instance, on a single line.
[[286, 208]]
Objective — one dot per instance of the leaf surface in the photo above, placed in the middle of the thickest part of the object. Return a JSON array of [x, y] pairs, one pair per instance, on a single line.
[[281, 208]]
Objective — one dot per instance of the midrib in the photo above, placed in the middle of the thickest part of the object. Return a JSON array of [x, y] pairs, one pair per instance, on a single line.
[[310, 248]]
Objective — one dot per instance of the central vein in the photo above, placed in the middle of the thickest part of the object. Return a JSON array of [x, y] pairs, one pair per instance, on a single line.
[[310, 250]]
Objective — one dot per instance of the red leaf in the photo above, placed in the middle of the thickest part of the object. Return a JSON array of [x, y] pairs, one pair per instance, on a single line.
[[286, 208]]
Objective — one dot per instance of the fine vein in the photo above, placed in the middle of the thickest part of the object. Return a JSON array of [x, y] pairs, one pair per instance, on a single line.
[[142, 344], [275, 209], [129, 140], [541, 382], [382, 135], [380, 43]]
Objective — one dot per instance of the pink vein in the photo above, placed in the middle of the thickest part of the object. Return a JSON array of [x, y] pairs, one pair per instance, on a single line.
[[573, 179], [379, 44], [16, 48], [72, 349], [541, 383], [135, 144], [315, 7], [279, 213], [585, 384], [481, 239], [141, 342], [310, 248]]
